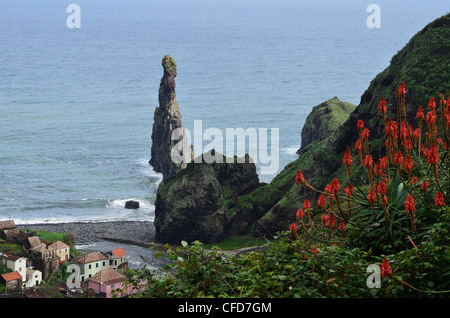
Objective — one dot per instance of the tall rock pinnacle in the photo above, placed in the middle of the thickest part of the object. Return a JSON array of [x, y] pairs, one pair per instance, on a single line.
[[167, 118]]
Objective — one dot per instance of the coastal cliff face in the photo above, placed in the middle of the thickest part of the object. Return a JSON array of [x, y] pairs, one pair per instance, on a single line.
[[423, 65], [192, 205], [167, 118], [324, 119]]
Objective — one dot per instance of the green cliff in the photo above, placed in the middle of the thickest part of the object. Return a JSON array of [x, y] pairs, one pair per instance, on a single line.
[[424, 64]]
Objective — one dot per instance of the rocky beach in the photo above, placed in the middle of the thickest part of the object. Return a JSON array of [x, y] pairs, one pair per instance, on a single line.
[[139, 233]]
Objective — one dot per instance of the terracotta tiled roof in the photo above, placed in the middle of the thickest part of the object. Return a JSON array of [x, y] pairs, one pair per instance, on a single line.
[[58, 245], [11, 276], [91, 257], [13, 258], [7, 224], [107, 276], [119, 252]]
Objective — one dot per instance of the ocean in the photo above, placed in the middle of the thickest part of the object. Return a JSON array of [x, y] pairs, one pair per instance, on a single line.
[[77, 104]]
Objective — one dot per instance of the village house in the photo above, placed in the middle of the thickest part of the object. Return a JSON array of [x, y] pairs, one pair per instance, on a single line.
[[62, 250], [34, 277], [8, 230], [44, 258], [17, 264], [117, 259], [13, 281], [32, 241], [105, 281], [92, 263]]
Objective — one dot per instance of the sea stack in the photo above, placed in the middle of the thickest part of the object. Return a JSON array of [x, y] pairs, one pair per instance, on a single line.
[[167, 118]]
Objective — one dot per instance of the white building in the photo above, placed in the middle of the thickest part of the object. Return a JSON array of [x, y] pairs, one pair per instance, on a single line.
[[34, 277], [18, 264]]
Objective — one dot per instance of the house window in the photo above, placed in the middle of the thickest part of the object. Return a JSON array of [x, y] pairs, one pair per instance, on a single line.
[[90, 266], [104, 263], [96, 264]]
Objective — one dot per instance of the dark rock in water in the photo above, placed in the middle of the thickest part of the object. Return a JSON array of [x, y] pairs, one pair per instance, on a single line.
[[132, 204], [167, 118], [192, 205]]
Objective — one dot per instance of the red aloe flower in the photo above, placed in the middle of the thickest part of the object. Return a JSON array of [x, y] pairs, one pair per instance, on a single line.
[[365, 133], [360, 124], [382, 106], [419, 114], [433, 155], [410, 207], [335, 187], [322, 202], [416, 135], [341, 226], [329, 191], [299, 214], [331, 220], [293, 229], [432, 104], [368, 161], [403, 130], [401, 91], [314, 250], [398, 159], [431, 118], [439, 199], [414, 180], [408, 164], [347, 159], [306, 205], [349, 190], [425, 185], [358, 145], [409, 204], [382, 188], [324, 218], [372, 197], [299, 178], [377, 169], [385, 268]]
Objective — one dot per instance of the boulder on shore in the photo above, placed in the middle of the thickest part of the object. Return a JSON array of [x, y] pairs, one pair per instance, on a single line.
[[132, 204]]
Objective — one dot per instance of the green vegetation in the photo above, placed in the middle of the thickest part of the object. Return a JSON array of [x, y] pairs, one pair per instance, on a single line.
[[10, 248], [392, 229], [237, 242], [168, 63]]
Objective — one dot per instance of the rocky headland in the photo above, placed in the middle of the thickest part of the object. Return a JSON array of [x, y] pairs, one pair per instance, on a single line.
[[194, 204]]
